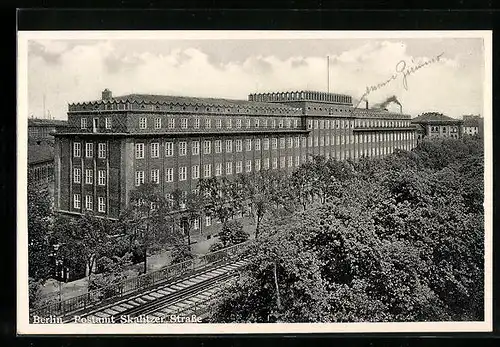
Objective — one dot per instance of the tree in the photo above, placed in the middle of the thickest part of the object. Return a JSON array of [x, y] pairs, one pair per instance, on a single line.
[[149, 221], [83, 239], [40, 220], [220, 197], [189, 209]]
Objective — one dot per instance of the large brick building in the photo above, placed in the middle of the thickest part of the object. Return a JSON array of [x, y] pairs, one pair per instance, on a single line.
[[114, 144]]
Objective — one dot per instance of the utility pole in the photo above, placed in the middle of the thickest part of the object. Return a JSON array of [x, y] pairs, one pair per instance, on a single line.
[[328, 73], [43, 106]]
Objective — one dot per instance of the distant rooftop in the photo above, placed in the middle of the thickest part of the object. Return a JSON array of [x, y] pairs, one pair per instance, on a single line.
[[303, 95], [35, 122], [433, 117], [40, 153]]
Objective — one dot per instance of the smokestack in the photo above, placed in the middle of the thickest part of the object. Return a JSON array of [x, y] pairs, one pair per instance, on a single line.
[[106, 94], [366, 104]]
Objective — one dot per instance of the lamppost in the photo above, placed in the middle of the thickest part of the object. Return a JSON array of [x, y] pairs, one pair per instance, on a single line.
[[58, 263]]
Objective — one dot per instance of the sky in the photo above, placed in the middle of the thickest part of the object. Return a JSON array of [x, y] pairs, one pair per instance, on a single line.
[[63, 71]]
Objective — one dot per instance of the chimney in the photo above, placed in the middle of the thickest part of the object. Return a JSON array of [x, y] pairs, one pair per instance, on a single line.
[[106, 94], [366, 104]]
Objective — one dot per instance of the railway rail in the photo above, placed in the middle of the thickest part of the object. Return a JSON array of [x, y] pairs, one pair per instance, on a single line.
[[175, 295]]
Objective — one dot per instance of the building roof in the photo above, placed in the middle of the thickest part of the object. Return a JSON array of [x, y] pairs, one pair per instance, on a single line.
[[40, 153], [39, 122], [472, 120], [188, 100], [377, 113], [434, 117]]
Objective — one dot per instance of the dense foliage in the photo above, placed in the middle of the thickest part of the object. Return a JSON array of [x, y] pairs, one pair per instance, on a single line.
[[393, 239]]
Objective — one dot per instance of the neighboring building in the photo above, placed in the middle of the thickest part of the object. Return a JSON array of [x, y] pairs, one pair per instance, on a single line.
[[434, 124], [114, 144], [41, 164], [473, 125], [42, 130]]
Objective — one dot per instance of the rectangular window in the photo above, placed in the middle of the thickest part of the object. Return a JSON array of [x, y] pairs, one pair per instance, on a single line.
[[171, 123], [195, 147], [321, 141], [265, 123], [77, 149], [310, 141], [89, 176], [139, 150], [239, 145], [316, 124], [238, 123], [290, 161], [139, 178], [266, 163], [169, 149], [295, 123], [208, 221], [274, 123], [218, 169], [101, 175], [208, 123], [76, 201], [207, 147], [229, 168], [297, 160], [248, 123], [248, 145], [207, 170], [266, 144], [257, 164], [143, 123], [239, 166], [196, 124], [218, 123], [218, 146], [289, 142], [89, 149], [282, 142], [315, 141], [89, 204], [101, 150], [303, 142], [229, 123], [282, 162], [155, 176], [169, 174], [107, 122], [256, 123], [182, 148], [229, 146], [275, 163], [327, 140], [155, 150], [182, 173], [83, 123], [101, 204], [77, 175], [248, 166], [275, 143], [309, 124], [184, 123], [158, 123], [195, 172]]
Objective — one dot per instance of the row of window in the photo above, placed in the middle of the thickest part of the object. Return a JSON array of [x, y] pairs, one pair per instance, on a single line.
[[182, 172], [89, 176], [89, 150], [89, 203], [206, 123], [346, 123], [95, 124], [453, 129], [289, 142]]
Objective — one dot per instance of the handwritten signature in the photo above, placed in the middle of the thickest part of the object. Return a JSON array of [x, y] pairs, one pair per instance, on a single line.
[[402, 69]]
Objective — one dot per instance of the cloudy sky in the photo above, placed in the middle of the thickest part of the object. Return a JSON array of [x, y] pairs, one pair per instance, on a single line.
[[75, 70]]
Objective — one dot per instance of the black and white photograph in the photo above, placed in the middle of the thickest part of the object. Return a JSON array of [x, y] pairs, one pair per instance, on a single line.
[[229, 182]]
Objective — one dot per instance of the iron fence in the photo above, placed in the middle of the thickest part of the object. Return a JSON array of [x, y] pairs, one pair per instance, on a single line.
[[128, 286]]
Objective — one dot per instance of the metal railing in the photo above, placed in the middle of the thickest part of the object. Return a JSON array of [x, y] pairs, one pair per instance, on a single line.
[[141, 282]]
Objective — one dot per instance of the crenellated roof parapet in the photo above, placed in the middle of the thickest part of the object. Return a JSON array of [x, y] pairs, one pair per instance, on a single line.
[[305, 95]]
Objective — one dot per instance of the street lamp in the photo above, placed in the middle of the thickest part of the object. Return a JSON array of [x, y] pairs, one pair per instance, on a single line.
[[58, 263]]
